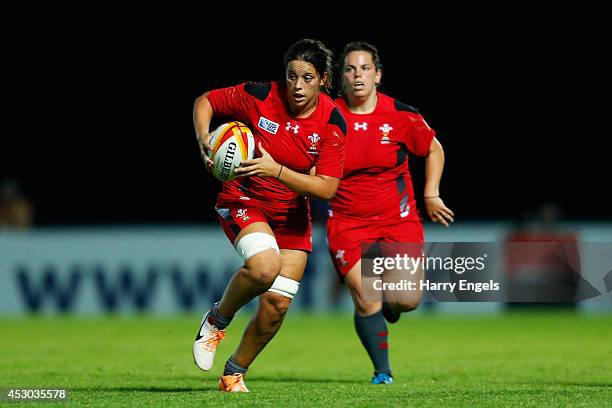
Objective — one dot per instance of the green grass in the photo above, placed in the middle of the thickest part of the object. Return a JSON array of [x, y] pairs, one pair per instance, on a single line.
[[550, 359]]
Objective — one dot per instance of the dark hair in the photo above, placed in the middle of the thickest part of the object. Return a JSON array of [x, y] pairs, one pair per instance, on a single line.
[[315, 53], [357, 46]]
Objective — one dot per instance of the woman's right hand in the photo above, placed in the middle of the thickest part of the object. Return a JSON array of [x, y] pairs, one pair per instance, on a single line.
[[204, 144], [438, 212]]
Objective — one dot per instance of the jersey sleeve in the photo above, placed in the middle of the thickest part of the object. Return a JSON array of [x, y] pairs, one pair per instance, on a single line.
[[419, 135], [330, 161], [232, 102]]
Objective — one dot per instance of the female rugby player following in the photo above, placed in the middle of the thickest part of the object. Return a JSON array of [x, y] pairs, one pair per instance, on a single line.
[[299, 133], [375, 200]]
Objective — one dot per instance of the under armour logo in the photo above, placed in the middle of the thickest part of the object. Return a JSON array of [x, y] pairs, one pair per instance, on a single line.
[[361, 126], [294, 128]]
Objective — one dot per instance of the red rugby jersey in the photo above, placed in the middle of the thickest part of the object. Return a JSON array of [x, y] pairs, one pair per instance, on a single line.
[[296, 143], [376, 184]]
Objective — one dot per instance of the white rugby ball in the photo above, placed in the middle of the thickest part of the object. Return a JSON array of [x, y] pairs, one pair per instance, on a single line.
[[230, 143]]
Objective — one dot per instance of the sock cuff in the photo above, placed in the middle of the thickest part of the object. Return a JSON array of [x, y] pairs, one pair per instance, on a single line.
[[375, 315], [232, 367], [217, 319]]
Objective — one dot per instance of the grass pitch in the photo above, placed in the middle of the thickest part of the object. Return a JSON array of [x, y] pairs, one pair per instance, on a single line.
[[550, 359]]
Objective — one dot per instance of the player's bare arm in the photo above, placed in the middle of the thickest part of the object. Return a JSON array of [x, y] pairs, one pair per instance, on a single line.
[[316, 186], [202, 115], [434, 165]]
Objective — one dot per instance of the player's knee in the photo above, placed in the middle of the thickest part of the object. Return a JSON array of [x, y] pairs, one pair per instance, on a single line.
[[278, 306], [262, 260], [405, 305], [263, 268], [364, 307], [410, 306]]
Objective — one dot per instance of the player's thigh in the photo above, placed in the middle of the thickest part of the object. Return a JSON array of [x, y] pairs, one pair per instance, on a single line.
[[293, 263], [258, 226], [292, 226], [403, 287], [345, 239], [404, 239], [247, 228], [238, 219], [403, 232]]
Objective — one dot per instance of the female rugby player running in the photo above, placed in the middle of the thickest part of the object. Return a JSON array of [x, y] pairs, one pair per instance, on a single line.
[[299, 133], [375, 200]]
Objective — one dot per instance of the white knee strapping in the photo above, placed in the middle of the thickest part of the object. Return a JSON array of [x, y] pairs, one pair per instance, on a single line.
[[255, 242], [285, 286]]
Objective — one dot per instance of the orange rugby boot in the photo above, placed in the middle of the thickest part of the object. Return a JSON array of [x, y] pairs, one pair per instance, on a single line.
[[232, 383]]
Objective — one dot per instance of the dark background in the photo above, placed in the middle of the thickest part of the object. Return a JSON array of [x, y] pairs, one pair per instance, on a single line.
[[97, 123]]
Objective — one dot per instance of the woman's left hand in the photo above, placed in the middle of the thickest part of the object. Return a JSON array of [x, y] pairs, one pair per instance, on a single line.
[[438, 212], [263, 166]]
